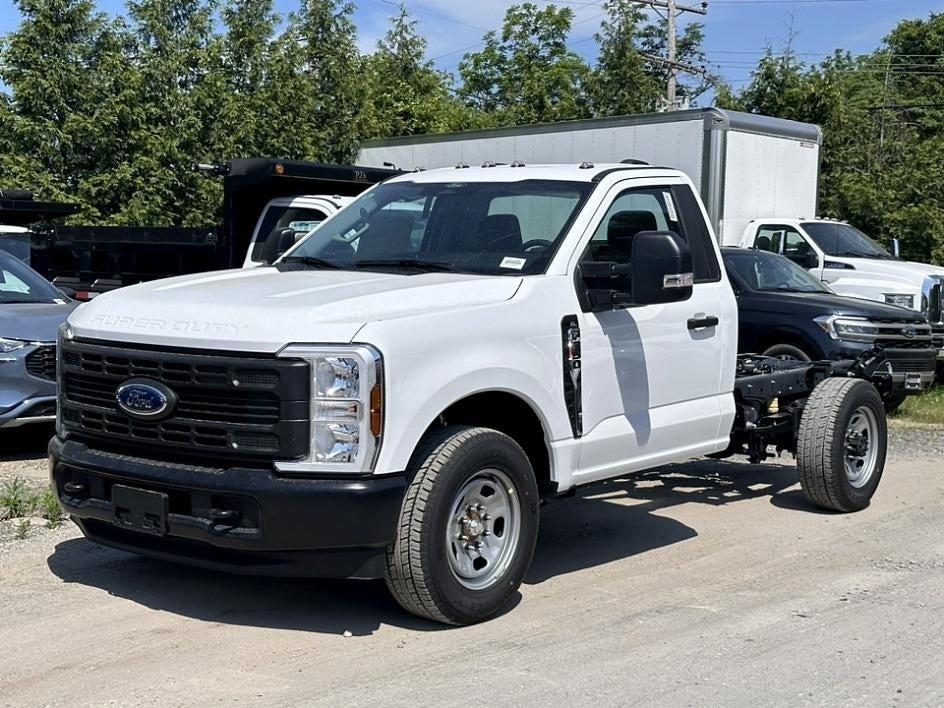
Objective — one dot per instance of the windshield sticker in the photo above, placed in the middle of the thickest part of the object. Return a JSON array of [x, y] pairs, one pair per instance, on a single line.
[[513, 263], [302, 227], [670, 206], [58, 301]]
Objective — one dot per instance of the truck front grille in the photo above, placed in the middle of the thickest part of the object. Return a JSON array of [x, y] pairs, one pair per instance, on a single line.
[[42, 362], [229, 406]]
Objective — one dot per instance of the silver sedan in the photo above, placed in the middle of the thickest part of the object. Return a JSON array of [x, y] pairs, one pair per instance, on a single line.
[[31, 310]]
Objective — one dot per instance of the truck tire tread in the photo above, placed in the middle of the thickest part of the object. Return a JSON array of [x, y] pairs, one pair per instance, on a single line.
[[822, 483]]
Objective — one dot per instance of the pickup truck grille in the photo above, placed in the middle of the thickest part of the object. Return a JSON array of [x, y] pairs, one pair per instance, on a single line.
[[226, 406], [42, 362]]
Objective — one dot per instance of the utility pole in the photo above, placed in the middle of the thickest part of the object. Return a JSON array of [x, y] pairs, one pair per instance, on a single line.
[[672, 11], [670, 44]]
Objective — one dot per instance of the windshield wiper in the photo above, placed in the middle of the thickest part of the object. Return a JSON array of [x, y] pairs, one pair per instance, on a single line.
[[310, 261], [438, 266], [861, 254]]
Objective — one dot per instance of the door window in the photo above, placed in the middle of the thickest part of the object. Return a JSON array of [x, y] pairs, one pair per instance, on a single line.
[[776, 238], [655, 209]]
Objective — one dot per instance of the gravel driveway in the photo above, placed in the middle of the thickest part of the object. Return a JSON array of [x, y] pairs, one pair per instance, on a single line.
[[712, 583]]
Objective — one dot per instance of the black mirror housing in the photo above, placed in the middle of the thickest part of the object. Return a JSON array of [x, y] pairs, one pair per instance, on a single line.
[[277, 243], [661, 268]]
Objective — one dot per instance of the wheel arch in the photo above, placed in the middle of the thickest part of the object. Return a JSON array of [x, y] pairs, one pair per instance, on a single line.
[[792, 336], [510, 413]]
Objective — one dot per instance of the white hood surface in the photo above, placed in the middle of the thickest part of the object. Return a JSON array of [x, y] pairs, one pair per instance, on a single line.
[[262, 310], [905, 272]]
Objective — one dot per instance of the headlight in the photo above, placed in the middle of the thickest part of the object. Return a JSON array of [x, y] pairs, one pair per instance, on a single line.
[[851, 328], [346, 408], [900, 299], [11, 345]]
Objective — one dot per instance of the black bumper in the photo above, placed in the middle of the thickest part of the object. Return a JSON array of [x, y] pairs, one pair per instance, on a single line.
[[242, 520], [909, 367]]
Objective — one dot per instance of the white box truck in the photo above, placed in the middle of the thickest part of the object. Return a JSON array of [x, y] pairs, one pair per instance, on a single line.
[[743, 165]]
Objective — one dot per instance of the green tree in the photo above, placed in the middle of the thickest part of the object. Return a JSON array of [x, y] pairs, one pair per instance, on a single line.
[[620, 83], [54, 65], [688, 49], [335, 78], [407, 95], [528, 75]]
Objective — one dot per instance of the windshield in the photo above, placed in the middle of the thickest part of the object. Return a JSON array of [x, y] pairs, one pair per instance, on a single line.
[[19, 283], [843, 240], [494, 228], [768, 272]]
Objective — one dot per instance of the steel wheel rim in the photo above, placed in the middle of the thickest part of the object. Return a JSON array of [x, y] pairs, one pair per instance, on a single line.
[[483, 528], [861, 448]]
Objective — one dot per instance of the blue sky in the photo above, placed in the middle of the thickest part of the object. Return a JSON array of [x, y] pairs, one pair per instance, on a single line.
[[736, 30]]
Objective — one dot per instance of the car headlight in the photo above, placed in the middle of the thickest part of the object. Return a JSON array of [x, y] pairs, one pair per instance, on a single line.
[[900, 299], [11, 345], [850, 328], [346, 408]]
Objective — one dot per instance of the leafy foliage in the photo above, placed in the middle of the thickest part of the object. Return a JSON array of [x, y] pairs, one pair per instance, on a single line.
[[109, 113]]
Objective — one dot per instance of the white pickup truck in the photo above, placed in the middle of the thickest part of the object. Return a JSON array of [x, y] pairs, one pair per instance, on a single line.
[[398, 395], [852, 264]]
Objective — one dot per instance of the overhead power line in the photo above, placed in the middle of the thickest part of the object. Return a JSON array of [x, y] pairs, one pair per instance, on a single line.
[[670, 62]]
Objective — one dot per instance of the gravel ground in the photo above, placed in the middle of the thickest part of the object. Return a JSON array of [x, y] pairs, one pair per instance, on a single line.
[[711, 583]]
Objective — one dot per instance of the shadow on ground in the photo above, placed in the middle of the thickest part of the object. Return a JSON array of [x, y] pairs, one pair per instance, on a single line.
[[25, 443], [606, 522]]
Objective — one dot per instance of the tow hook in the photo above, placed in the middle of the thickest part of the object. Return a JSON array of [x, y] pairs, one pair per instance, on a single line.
[[224, 517]]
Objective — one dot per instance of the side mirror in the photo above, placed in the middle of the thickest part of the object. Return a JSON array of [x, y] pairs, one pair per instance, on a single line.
[[277, 243], [661, 268], [804, 260]]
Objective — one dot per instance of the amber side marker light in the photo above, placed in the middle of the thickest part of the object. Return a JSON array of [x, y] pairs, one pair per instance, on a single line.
[[376, 410]]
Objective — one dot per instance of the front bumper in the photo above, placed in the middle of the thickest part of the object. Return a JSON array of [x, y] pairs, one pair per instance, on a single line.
[[240, 520]]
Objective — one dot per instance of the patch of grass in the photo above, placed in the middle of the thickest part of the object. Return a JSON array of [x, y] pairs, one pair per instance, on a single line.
[[928, 408], [17, 499], [22, 529], [49, 509]]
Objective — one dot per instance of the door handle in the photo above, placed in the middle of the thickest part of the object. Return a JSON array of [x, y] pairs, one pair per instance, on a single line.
[[702, 321]]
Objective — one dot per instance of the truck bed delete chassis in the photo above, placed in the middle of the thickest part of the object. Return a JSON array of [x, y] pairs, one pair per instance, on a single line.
[[770, 395]]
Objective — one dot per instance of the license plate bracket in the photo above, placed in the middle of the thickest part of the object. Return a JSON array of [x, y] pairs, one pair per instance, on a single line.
[[139, 509]]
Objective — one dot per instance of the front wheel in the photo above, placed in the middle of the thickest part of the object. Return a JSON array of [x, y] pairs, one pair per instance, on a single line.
[[468, 526], [841, 444]]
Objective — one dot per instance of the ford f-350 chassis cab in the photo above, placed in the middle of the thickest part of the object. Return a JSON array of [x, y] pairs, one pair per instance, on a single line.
[[398, 394]]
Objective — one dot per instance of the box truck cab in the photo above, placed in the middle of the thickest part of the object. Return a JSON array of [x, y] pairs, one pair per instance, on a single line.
[[399, 393], [854, 265]]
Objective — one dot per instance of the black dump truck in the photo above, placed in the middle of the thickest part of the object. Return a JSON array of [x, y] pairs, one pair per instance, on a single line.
[[87, 260]]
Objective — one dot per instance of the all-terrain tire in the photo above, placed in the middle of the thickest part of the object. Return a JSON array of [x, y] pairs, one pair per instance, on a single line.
[[419, 574], [822, 444]]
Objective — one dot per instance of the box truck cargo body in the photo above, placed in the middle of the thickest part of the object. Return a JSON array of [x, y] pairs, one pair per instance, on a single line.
[[744, 165]]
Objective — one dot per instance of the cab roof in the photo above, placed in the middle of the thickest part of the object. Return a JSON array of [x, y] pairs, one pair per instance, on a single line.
[[516, 172]]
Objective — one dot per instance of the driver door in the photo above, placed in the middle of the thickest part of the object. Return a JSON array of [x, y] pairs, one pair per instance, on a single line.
[[654, 386]]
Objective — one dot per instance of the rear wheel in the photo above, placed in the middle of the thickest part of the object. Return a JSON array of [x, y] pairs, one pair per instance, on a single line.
[[841, 444], [787, 352], [468, 526]]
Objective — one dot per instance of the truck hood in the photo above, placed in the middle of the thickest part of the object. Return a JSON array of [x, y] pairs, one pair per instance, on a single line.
[[262, 309], [905, 272], [33, 322], [816, 304]]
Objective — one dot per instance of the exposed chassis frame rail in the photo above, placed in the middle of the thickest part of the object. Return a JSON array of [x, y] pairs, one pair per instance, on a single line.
[[770, 395]]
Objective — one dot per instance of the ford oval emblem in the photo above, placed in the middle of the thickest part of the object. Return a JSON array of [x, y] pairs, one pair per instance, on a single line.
[[145, 399], [910, 332]]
